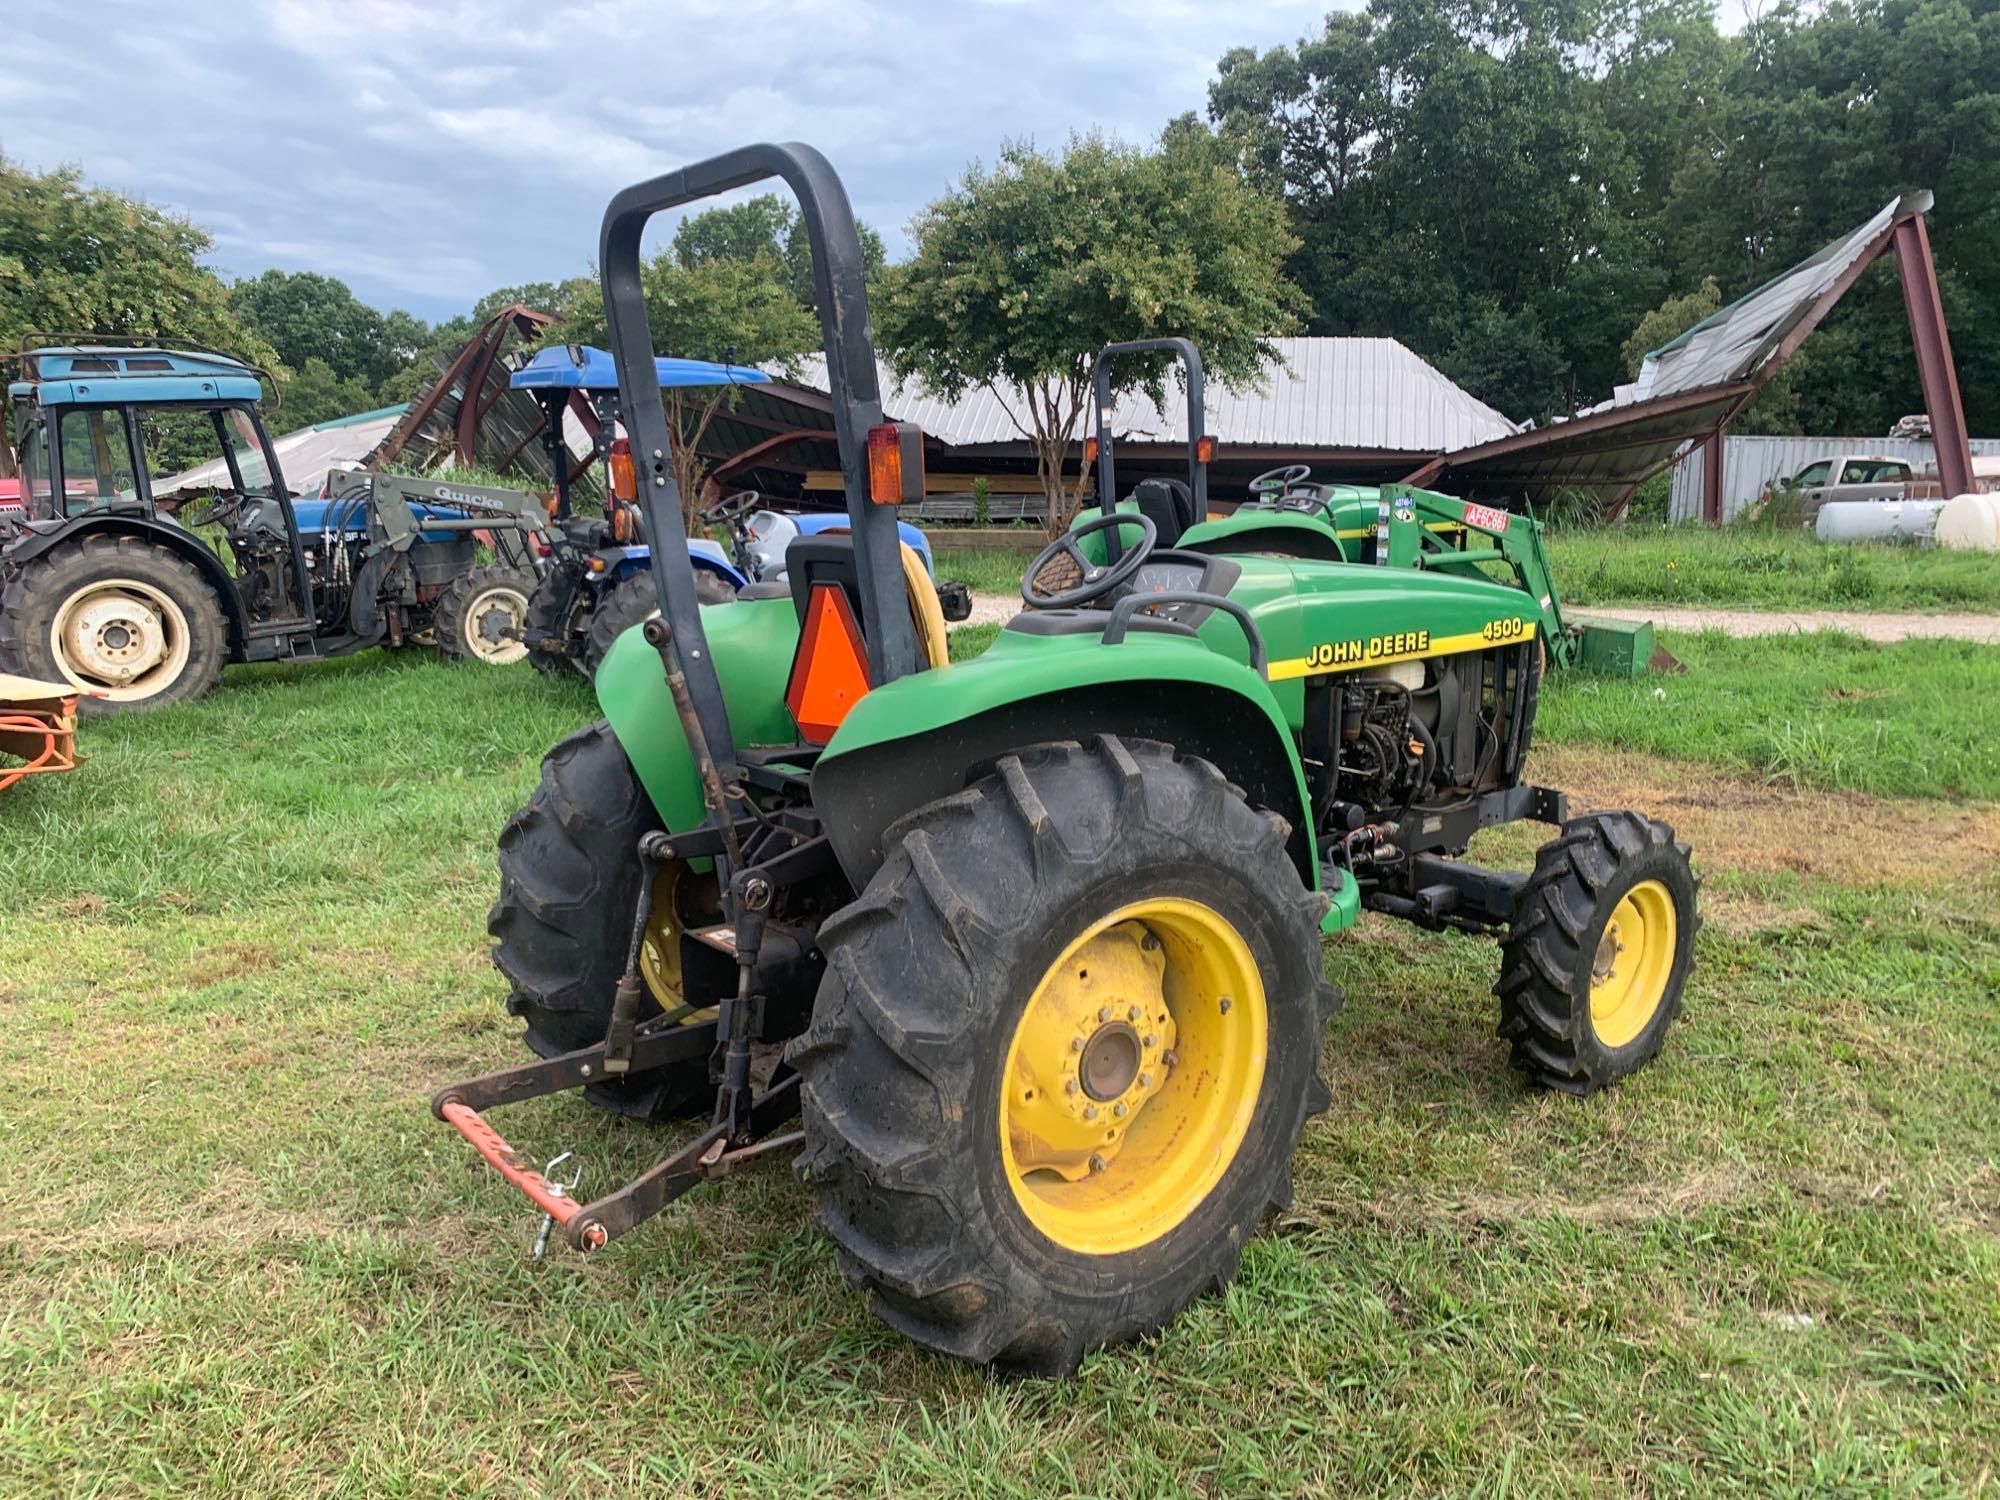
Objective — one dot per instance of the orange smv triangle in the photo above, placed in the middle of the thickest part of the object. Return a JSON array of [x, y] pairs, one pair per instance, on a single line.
[[830, 671]]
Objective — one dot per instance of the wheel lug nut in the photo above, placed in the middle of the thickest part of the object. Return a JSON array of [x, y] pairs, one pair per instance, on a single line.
[[1070, 1087], [1132, 1013], [1076, 1044], [1170, 1057], [1097, 1162], [1104, 1014], [1090, 1111], [1118, 1109], [1151, 1040], [1145, 1080]]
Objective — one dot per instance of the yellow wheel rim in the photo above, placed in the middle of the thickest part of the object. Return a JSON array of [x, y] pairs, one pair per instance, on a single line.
[[660, 948], [1634, 958], [1133, 1075], [660, 951]]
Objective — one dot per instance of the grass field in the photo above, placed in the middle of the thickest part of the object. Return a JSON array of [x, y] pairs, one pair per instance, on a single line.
[[240, 947], [1731, 567]]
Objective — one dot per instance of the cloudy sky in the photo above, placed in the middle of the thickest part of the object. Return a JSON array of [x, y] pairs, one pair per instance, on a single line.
[[427, 153]]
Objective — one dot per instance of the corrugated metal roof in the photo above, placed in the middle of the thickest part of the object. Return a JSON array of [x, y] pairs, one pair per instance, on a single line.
[[1319, 393], [1735, 342], [304, 455]]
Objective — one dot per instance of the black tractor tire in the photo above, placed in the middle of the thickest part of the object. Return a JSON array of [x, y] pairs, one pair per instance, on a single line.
[[569, 883], [559, 610], [635, 600], [467, 606], [928, 974], [1559, 928], [32, 597]]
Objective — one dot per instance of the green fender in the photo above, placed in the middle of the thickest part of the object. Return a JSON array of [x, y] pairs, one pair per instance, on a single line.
[[912, 741], [1288, 532], [752, 641]]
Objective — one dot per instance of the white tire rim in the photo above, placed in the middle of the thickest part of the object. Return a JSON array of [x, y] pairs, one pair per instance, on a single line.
[[490, 612], [121, 638]]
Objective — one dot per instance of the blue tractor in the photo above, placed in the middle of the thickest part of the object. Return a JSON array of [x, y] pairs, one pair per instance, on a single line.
[[599, 584], [138, 596]]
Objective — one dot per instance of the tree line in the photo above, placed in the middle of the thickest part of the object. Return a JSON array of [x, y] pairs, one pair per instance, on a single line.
[[1528, 193]]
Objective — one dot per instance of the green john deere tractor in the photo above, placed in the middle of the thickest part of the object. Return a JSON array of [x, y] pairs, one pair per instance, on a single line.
[[1022, 956]]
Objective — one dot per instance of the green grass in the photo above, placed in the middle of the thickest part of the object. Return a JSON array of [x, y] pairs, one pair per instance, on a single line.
[[237, 1256], [986, 570], [1759, 568], [1821, 710]]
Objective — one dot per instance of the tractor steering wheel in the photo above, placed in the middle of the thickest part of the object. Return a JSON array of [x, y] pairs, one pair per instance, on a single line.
[[1096, 581], [732, 507], [1273, 483]]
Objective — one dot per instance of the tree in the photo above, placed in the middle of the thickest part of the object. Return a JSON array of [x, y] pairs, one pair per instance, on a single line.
[[767, 225], [739, 310], [1024, 271], [79, 259], [1449, 172], [306, 316], [316, 393]]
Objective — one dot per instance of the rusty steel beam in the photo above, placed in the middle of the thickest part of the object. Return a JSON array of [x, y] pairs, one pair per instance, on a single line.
[[478, 351], [750, 457], [1939, 377], [1711, 476], [474, 405]]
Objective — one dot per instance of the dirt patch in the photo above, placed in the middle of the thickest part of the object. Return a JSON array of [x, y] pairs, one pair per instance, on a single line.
[[1740, 824]]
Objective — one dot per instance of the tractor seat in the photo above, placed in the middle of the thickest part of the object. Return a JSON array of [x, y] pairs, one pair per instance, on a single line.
[[828, 557], [1169, 505]]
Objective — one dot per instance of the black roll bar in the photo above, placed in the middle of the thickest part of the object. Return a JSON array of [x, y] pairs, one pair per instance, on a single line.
[[1100, 388], [851, 379]]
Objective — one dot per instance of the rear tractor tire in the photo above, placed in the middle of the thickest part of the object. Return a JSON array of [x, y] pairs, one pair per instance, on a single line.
[[1063, 1051], [569, 881], [482, 614], [635, 600], [1593, 969], [128, 621]]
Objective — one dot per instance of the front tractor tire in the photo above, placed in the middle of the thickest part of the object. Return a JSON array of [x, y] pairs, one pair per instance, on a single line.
[[569, 883], [1065, 1046], [1593, 969], [124, 619], [559, 617], [482, 615]]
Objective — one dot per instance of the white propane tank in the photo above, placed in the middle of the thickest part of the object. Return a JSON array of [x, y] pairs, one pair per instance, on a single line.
[[1971, 522], [1877, 520]]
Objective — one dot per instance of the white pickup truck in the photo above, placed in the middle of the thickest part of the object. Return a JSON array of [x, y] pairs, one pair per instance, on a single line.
[[1850, 476]]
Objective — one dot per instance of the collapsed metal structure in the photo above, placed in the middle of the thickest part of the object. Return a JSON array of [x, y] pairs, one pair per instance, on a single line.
[[1689, 391]]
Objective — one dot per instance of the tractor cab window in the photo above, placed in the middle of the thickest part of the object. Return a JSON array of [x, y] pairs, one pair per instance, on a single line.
[[246, 453], [98, 472], [35, 494]]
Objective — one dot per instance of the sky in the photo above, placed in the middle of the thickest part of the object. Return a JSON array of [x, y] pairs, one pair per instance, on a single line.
[[427, 153]]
